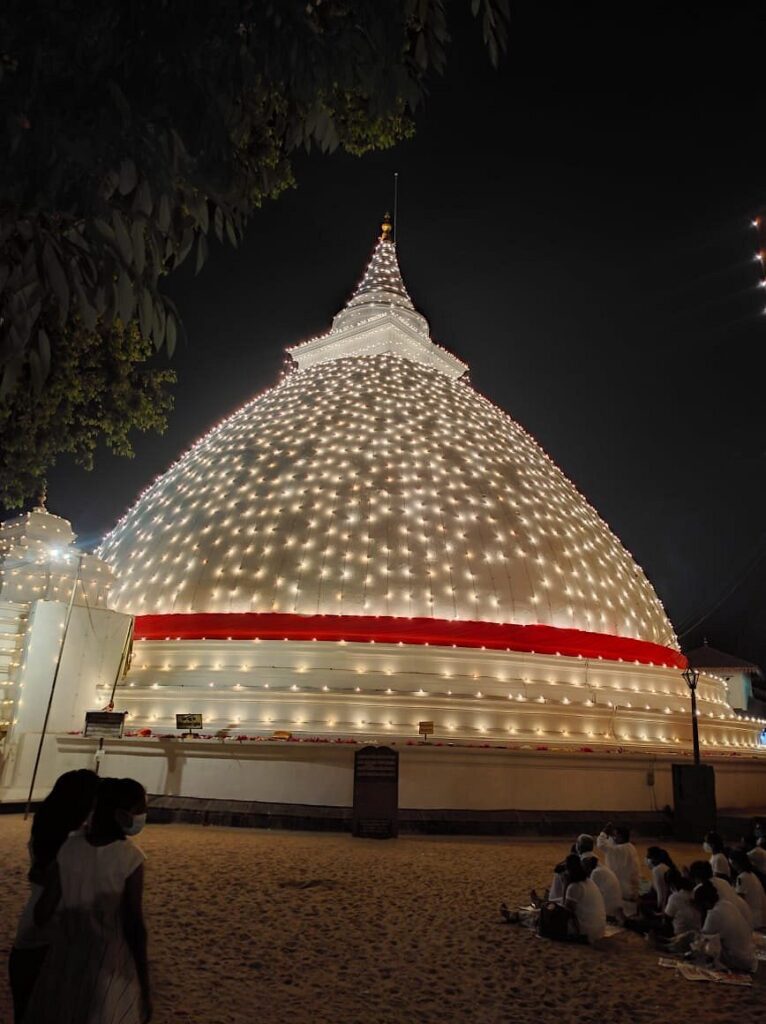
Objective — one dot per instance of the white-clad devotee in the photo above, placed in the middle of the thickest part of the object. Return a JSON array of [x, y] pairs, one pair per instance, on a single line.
[[660, 863], [722, 919], [748, 886], [680, 908], [701, 871], [583, 847], [719, 862], [758, 856], [584, 900], [622, 857], [607, 884]]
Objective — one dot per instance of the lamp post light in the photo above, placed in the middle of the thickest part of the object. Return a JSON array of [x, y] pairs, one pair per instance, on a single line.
[[691, 675]]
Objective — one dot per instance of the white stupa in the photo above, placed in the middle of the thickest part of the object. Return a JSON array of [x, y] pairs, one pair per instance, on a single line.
[[372, 543]]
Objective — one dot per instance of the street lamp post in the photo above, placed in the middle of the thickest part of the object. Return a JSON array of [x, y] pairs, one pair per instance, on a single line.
[[691, 675]]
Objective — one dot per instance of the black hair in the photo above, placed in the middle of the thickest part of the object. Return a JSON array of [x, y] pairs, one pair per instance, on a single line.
[[705, 896], [715, 841], [113, 795], [63, 810], [740, 860], [589, 865], [677, 881], [622, 832], [700, 870], [660, 856], [575, 869]]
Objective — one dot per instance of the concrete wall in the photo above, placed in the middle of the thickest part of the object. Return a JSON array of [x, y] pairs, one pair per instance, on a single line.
[[434, 777], [90, 661]]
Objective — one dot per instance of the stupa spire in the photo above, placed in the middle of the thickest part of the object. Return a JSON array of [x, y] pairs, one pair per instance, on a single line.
[[382, 283], [380, 316]]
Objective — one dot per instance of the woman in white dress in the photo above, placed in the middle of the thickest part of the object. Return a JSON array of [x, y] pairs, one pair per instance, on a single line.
[[63, 811], [96, 971]]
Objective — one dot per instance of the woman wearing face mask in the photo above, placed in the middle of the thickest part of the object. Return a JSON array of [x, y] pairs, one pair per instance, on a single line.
[[96, 970], [659, 861], [719, 862]]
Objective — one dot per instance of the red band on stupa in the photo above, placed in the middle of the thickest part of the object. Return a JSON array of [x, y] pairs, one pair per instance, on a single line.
[[385, 629]]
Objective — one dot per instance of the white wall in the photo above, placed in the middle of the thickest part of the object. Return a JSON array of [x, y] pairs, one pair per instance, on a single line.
[[469, 778], [90, 661]]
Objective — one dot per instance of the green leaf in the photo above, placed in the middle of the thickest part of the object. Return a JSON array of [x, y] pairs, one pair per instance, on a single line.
[[163, 214], [142, 202], [218, 223], [145, 312], [128, 177], [10, 374], [57, 280], [124, 244], [126, 297], [139, 248], [170, 334], [202, 250]]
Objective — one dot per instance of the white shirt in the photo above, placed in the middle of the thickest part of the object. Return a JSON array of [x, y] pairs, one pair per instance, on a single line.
[[727, 894], [659, 884], [750, 889], [622, 858], [758, 859], [719, 862], [737, 948], [588, 908], [681, 910], [608, 884]]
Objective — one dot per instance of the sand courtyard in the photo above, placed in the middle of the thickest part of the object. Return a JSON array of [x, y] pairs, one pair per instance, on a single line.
[[271, 927]]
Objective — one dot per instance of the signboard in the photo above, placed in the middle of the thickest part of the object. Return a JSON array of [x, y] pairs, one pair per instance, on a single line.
[[188, 722], [104, 724], [426, 728], [376, 793]]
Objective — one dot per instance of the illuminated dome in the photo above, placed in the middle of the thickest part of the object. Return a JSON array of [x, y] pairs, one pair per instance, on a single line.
[[371, 545], [373, 480]]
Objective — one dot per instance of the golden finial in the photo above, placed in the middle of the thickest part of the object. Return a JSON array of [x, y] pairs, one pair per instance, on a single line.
[[385, 228]]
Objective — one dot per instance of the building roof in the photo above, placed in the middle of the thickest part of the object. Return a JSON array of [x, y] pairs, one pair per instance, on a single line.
[[373, 480], [709, 657]]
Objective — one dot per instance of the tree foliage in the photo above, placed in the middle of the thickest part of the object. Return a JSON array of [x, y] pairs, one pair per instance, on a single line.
[[137, 129], [99, 389]]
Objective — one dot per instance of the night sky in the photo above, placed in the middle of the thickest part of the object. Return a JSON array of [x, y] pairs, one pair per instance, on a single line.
[[576, 226]]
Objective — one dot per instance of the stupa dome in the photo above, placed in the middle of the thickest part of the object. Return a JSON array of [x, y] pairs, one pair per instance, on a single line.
[[374, 480]]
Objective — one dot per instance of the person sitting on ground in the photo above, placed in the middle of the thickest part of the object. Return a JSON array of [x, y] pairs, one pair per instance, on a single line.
[[747, 885], [700, 871], [756, 851], [719, 862], [96, 971], [660, 862], [63, 811], [622, 857], [680, 908], [583, 847], [720, 918], [584, 900], [608, 885]]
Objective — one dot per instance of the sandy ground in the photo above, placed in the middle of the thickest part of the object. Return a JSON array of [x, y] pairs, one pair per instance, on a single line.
[[253, 926]]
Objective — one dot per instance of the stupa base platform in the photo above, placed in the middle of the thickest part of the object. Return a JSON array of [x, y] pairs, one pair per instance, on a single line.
[[471, 789]]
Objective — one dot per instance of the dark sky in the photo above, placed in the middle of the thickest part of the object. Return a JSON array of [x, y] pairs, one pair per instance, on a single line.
[[576, 226]]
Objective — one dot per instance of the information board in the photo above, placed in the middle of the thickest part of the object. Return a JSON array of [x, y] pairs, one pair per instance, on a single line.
[[376, 793], [188, 722], [104, 724]]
